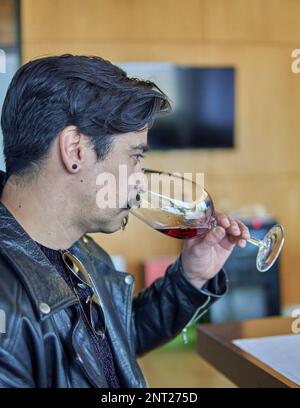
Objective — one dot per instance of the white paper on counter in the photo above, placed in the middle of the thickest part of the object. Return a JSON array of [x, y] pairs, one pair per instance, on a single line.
[[282, 353]]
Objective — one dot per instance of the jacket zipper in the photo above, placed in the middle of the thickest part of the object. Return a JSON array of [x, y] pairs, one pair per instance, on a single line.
[[193, 319], [78, 359], [100, 301], [129, 307], [129, 314]]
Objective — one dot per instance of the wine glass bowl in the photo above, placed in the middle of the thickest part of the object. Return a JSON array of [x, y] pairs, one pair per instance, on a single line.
[[181, 208], [173, 210]]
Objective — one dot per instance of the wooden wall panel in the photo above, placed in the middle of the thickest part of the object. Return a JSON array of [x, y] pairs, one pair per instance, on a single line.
[[256, 38], [112, 20], [255, 21], [7, 23]]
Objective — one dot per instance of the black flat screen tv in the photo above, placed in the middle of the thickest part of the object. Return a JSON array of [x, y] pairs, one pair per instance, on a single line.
[[203, 105]]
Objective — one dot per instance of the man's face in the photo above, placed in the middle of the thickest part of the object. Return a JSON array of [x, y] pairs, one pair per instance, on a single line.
[[106, 192]]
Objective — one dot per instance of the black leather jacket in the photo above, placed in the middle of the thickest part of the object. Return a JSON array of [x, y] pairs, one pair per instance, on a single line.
[[44, 342]]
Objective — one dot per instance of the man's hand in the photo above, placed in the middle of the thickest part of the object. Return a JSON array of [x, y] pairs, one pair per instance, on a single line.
[[203, 258]]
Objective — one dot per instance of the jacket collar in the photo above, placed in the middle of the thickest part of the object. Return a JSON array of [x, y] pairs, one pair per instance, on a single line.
[[40, 278]]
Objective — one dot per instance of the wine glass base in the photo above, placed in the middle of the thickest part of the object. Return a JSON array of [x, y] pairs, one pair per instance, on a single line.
[[270, 248]]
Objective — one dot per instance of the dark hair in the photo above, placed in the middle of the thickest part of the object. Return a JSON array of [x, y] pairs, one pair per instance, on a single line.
[[50, 93]]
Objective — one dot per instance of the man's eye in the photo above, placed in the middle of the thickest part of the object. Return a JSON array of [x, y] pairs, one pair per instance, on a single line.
[[139, 156]]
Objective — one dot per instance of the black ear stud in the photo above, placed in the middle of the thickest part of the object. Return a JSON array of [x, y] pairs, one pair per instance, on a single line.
[[74, 166]]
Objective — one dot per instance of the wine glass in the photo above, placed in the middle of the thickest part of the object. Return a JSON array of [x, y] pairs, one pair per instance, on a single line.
[[181, 208]]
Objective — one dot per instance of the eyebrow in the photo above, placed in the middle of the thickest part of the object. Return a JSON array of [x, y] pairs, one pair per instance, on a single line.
[[144, 147]]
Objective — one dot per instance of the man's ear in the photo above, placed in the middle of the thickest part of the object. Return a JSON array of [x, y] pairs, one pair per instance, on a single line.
[[71, 148]]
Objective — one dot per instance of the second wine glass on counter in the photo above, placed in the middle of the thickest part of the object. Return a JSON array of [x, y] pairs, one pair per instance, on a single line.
[[181, 208]]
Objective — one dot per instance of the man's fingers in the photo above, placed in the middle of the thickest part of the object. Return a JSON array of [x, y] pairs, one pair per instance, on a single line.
[[222, 220], [245, 234], [234, 228], [236, 232], [238, 229], [215, 236], [242, 243], [227, 222]]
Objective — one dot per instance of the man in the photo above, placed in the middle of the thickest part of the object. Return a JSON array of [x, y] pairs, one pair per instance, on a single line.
[[71, 320]]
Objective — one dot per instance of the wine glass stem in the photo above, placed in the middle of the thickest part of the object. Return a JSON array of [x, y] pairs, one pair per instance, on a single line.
[[255, 242]]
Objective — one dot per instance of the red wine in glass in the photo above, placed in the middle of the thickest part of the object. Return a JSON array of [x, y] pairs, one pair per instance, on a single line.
[[183, 233]]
